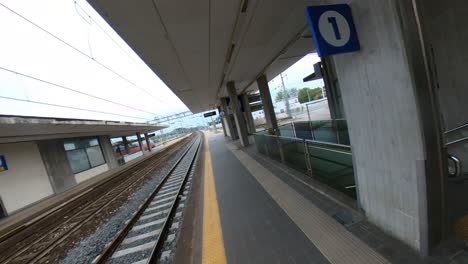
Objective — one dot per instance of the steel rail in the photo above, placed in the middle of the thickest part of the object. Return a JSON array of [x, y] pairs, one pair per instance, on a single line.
[[155, 252], [58, 207], [144, 172], [113, 245]]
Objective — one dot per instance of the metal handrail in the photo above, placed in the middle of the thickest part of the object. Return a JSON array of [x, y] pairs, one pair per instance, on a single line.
[[315, 142], [455, 129], [456, 141], [458, 169]]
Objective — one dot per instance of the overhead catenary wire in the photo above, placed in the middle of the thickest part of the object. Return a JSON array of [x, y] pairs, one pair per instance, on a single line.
[[108, 35], [75, 91], [135, 62], [70, 107], [76, 49]]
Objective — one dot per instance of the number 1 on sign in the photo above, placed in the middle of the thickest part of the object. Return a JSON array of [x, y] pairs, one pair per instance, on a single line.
[[332, 21]]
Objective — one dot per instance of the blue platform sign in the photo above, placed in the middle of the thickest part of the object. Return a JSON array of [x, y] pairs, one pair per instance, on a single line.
[[333, 29], [3, 164]]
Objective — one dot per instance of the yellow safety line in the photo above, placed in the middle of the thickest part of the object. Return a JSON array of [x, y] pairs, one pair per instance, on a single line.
[[213, 244], [12, 231]]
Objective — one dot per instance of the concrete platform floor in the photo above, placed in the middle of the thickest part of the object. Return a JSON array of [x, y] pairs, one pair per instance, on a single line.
[[241, 212]]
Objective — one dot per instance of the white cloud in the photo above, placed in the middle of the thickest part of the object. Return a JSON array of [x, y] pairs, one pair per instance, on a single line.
[[94, 46]]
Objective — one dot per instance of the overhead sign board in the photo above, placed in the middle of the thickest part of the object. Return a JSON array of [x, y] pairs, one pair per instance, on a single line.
[[208, 114], [3, 164], [333, 29]]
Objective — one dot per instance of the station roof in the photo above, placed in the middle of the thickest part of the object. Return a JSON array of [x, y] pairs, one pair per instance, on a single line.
[[196, 47], [20, 128]]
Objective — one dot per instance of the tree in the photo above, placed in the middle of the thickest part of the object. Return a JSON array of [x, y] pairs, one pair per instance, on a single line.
[[291, 94], [306, 94], [279, 96]]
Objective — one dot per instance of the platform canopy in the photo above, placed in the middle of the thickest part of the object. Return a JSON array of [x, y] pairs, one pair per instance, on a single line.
[[196, 47], [19, 128]]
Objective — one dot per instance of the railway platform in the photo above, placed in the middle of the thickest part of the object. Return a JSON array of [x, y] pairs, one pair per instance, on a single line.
[[205, 200], [249, 209]]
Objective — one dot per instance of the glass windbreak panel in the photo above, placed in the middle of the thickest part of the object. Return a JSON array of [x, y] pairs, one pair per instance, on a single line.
[[78, 160], [273, 147], [341, 126], [323, 131], [95, 156], [332, 131], [260, 143], [303, 130], [294, 154], [286, 130], [334, 167]]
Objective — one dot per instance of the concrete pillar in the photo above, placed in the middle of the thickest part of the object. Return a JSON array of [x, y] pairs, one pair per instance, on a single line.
[[220, 109], [227, 120], [148, 142], [56, 163], [223, 126], [125, 143], [108, 152], [238, 115], [248, 114], [140, 143], [268, 108], [392, 123], [335, 102]]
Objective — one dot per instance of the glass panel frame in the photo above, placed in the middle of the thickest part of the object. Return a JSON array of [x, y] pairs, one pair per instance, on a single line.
[[79, 150], [95, 156], [333, 167], [78, 160]]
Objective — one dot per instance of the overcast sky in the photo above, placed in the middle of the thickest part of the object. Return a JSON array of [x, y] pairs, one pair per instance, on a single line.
[[59, 58]]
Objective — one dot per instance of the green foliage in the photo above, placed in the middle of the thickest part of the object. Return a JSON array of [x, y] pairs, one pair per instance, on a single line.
[[279, 96], [291, 94], [306, 94]]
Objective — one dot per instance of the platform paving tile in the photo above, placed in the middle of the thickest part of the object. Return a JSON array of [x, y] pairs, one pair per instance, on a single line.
[[393, 250], [255, 229], [331, 238]]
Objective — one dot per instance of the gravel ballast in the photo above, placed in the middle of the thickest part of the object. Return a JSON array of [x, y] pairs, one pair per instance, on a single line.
[[86, 250]]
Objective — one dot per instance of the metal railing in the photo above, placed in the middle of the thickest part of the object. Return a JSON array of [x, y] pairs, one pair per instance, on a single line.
[[329, 163], [455, 168], [453, 142], [456, 129], [333, 131]]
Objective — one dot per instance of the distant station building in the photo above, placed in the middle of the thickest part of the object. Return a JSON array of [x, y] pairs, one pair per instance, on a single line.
[[41, 157]]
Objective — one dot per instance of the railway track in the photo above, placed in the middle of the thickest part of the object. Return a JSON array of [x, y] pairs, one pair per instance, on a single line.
[[141, 240], [35, 244]]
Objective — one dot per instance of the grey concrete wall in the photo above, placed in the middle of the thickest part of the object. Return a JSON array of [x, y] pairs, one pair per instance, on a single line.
[[56, 163], [26, 180], [108, 152], [446, 34], [386, 135]]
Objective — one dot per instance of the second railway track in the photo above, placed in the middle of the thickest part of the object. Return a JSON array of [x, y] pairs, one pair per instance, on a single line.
[[36, 245]]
